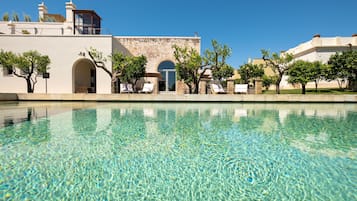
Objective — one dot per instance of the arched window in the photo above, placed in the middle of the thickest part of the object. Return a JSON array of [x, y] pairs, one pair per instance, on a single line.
[[168, 74]]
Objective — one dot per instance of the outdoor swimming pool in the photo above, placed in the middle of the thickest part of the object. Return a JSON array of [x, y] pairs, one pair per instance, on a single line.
[[182, 151]]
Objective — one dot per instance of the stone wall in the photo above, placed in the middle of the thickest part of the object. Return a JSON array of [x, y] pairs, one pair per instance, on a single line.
[[156, 49]]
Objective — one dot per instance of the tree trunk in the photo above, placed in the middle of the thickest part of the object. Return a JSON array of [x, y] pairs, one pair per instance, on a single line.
[[112, 87], [339, 84], [277, 85], [189, 88], [353, 85], [196, 87], [29, 86], [303, 86], [316, 86]]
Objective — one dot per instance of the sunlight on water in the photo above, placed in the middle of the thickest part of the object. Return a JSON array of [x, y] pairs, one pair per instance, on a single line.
[[123, 151]]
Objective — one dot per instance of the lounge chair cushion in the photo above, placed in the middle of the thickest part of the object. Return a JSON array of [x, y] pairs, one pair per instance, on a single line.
[[217, 88], [241, 88], [147, 88]]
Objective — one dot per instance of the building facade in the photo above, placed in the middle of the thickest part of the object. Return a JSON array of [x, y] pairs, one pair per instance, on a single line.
[[317, 49], [66, 41], [321, 49]]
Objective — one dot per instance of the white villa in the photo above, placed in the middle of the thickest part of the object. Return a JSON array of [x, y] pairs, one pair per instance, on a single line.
[[321, 49], [66, 41]]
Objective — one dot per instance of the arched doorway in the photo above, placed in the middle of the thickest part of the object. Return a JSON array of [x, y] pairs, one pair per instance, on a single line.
[[84, 77], [168, 74]]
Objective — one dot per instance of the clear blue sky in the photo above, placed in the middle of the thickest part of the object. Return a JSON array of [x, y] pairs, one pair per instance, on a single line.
[[247, 26]]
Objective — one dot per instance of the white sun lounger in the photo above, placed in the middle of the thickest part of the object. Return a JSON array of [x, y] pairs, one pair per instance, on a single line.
[[147, 88], [126, 88], [241, 88], [217, 89]]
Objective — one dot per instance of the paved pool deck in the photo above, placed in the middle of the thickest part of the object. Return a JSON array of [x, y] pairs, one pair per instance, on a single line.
[[181, 98]]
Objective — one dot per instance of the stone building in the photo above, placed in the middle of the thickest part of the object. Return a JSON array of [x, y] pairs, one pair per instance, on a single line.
[[66, 41]]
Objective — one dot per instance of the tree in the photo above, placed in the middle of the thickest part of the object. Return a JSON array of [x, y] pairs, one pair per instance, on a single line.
[[278, 63], [128, 69], [27, 65], [189, 67], [268, 80], [301, 72], [250, 71], [132, 70], [318, 72], [6, 17], [343, 65], [124, 68], [99, 61], [216, 59]]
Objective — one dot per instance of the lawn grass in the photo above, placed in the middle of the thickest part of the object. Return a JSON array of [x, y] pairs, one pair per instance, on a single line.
[[332, 91]]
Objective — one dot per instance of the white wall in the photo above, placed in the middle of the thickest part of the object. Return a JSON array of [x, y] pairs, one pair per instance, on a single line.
[[63, 52], [320, 49]]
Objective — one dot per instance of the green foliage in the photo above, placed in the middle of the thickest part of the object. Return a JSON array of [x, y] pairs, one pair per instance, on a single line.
[[7, 59], [6, 17], [225, 71], [15, 17], [301, 72], [188, 65], [26, 65], [343, 66], [128, 69], [268, 80], [24, 31], [216, 58], [27, 18], [96, 55], [318, 72], [238, 81], [324, 91], [134, 70], [250, 71], [279, 63]]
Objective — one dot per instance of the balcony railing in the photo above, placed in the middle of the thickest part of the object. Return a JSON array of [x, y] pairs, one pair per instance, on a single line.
[[48, 29]]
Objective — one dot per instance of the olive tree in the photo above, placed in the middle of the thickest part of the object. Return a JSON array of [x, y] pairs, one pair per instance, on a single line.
[[343, 65], [250, 71], [301, 72], [216, 59], [130, 68], [27, 65], [125, 68], [318, 72], [279, 63], [189, 67]]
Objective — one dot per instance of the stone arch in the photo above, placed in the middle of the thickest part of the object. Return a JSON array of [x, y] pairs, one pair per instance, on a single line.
[[84, 76], [168, 76]]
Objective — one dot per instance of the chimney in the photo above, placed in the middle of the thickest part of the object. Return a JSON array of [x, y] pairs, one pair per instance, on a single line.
[[42, 10], [316, 40], [69, 11], [317, 36], [354, 40]]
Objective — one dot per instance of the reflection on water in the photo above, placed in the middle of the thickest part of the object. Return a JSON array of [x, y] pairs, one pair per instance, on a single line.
[[316, 128], [193, 151]]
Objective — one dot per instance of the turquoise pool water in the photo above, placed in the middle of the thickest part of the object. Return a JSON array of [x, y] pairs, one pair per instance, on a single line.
[[123, 151]]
